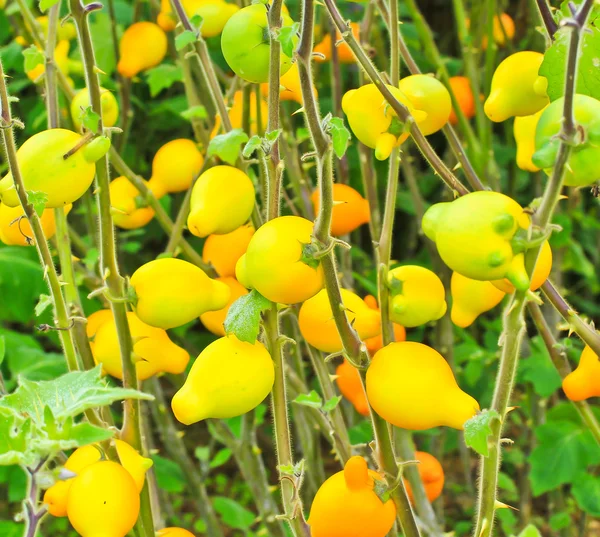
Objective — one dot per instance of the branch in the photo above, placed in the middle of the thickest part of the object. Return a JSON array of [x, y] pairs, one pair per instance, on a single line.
[[547, 18]]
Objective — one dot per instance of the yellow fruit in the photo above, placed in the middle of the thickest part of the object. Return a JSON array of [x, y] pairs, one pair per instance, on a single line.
[[584, 382], [543, 267], [124, 205], [229, 378], [223, 251], [411, 386], [471, 298], [214, 13], [350, 386], [15, 229], [318, 326], [236, 115], [524, 131], [213, 320], [175, 166], [103, 501], [61, 58], [429, 95], [344, 52], [222, 201], [142, 46], [375, 343], [153, 351], [171, 292], [110, 107], [289, 85], [97, 319], [417, 296], [349, 213], [174, 532]]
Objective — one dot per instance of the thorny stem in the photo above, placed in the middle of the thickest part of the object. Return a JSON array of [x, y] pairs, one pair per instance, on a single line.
[[33, 515], [547, 18]]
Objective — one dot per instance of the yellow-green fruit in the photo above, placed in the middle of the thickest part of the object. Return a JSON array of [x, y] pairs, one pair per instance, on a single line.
[[429, 95], [103, 501], [417, 296], [228, 379], [411, 386], [517, 89], [318, 327], [175, 166], [15, 229], [171, 292], [81, 101], [222, 201], [471, 298], [44, 167], [124, 206], [524, 132]]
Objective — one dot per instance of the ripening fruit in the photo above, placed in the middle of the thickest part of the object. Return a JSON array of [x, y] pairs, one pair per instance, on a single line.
[[346, 505], [429, 95], [103, 501], [374, 122], [350, 211], [543, 267], [474, 236], [524, 131], [350, 386], [125, 211], [229, 378], [417, 296], [344, 52], [175, 165], [517, 89], [236, 115], [174, 532], [15, 229], [142, 46], [44, 168], [213, 320], [274, 264], [584, 382], [471, 298], [222, 201], [289, 87], [375, 343], [214, 13], [411, 386], [318, 326], [223, 251], [81, 101], [153, 351], [65, 30], [171, 292], [432, 475], [461, 87], [503, 28], [96, 320], [61, 58]]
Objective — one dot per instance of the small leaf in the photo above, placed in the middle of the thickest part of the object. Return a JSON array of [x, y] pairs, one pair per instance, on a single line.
[[251, 146], [332, 403], [530, 531], [233, 514], [47, 4], [43, 304], [163, 77], [478, 429], [194, 112], [586, 491], [184, 39], [169, 475], [272, 136], [227, 146], [243, 318], [340, 135], [288, 37], [202, 453], [33, 58], [220, 458], [89, 119], [197, 20], [38, 200], [312, 399]]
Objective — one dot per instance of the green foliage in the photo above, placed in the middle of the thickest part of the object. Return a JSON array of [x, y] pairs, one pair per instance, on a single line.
[[33, 57], [163, 77], [244, 316], [288, 37], [184, 39], [169, 475], [38, 200], [227, 146], [232, 513], [340, 135], [478, 429]]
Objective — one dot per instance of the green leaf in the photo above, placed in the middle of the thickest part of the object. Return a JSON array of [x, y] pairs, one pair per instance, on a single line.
[[47, 4], [184, 39], [232, 513], [194, 112], [33, 57], [15, 436], [558, 521], [44, 303], [272, 136], [288, 37], [38, 200], [312, 399], [202, 453], [2, 349], [530, 531], [169, 475], [539, 370], [478, 429], [586, 491], [340, 135], [332, 403], [252, 145], [227, 146], [89, 119], [220, 458], [243, 317], [163, 77], [196, 21]]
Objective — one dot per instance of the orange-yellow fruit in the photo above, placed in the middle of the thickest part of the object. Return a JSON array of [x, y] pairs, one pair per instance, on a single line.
[[15, 229], [375, 343], [584, 382], [223, 251], [142, 46], [543, 267], [350, 386], [432, 475], [325, 47], [461, 87], [213, 320], [350, 210]]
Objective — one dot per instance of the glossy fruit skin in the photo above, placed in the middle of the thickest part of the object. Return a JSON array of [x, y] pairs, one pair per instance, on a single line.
[[222, 200], [584, 382], [103, 501], [473, 236], [350, 386], [412, 386], [44, 169], [273, 264], [171, 292], [15, 234], [517, 89], [417, 296], [429, 95], [110, 107], [236, 115], [125, 212], [582, 167], [375, 343], [153, 351], [96, 320], [347, 506], [174, 532], [175, 165], [214, 13], [370, 118], [461, 87], [223, 251], [317, 325], [213, 320], [229, 378], [471, 298], [432, 475], [344, 52], [143, 45], [524, 129], [543, 267], [245, 44], [349, 215]]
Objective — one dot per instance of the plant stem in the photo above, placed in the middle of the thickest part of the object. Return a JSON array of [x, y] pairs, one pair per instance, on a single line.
[[547, 18], [33, 515]]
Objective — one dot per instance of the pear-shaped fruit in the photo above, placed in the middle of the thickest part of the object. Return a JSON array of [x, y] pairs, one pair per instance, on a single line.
[[432, 475], [471, 298], [542, 270], [584, 382], [524, 132], [213, 320], [171, 292], [15, 229], [108, 102], [126, 212], [223, 251], [229, 378], [350, 386], [375, 343], [411, 386], [143, 45], [350, 211], [175, 165]]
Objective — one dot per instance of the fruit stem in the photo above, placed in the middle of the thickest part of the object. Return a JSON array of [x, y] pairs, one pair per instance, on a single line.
[[33, 515], [547, 18]]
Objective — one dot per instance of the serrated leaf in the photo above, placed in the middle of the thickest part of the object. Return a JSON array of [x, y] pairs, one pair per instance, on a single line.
[[244, 315], [272, 136], [340, 135], [43, 304], [251, 146], [332, 403], [478, 429], [220, 458], [33, 57], [47, 4], [288, 37], [89, 119], [163, 77], [194, 112], [38, 200], [227, 146], [15, 435], [311, 399], [184, 39]]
